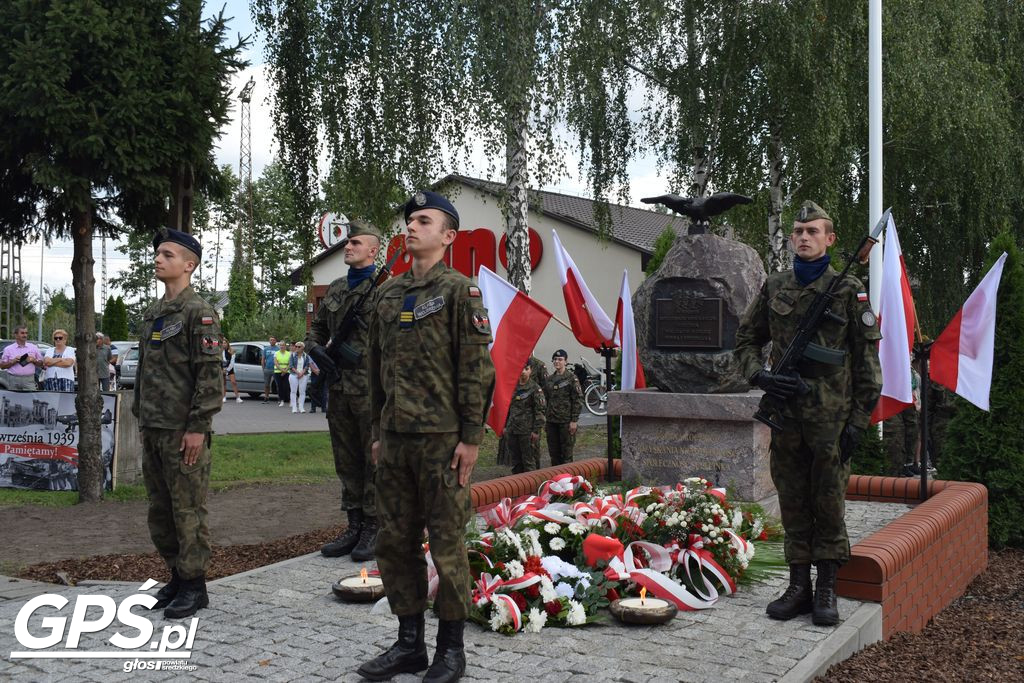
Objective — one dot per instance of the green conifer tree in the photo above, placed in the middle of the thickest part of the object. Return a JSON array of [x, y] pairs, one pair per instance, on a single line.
[[988, 447]]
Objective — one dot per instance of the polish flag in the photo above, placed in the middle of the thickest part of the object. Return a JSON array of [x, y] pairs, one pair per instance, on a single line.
[[590, 324], [961, 357], [517, 321], [896, 318], [632, 370]]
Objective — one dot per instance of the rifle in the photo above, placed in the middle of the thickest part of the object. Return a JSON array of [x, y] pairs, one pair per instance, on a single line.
[[801, 346], [338, 353]]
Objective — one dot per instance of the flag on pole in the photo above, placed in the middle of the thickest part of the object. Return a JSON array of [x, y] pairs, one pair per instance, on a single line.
[[590, 324], [897, 319], [632, 370], [517, 322], [961, 357]]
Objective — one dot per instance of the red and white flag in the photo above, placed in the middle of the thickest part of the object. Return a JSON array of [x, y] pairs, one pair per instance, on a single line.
[[590, 324], [897, 318], [517, 321], [632, 370], [962, 355]]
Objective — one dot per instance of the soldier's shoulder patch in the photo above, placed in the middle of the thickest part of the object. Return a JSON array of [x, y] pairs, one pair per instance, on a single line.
[[474, 292], [481, 323], [428, 307], [206, 320], [868, 318], [210, 344], [169, 331], [862, 297]]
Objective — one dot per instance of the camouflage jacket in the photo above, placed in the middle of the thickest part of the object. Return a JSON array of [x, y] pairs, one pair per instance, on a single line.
[[564, 396], [335, 305], [526, 413], [538, 371], [430, 370], [179, 380], [844, 393]]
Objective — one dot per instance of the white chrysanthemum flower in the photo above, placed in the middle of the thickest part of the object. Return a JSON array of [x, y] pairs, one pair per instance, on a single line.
[[758, 527], [557, 543], [564, 590], [577, 615], [499, 616], [547, 590], [535, 621], [713, 533], [577, 529], [533, 539], [552, 528], [514, 569]]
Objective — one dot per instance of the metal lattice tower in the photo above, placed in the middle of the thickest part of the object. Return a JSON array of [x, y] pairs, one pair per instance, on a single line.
[[103, 272], [12, 305], [243, 239]]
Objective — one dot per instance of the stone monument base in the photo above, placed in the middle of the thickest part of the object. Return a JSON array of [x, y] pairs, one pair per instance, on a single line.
[[667, 437]]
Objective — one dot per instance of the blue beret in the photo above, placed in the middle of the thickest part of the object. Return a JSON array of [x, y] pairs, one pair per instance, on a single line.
[[425, 199], [560, 353], [178, 237]]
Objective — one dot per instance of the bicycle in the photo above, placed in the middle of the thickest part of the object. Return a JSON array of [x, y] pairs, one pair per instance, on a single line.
[[595, 394]]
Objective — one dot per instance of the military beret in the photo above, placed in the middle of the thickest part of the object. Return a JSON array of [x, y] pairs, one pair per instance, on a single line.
[[425, 199], [560, 353], [364, 229], [178, 237], [809, 211]]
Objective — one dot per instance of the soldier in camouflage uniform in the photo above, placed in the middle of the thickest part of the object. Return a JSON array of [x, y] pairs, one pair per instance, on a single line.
[[810, 456], [900, 436], [431, 379], [565, 401], [539, 372], [524, 423], [177, 392], [348, 408]]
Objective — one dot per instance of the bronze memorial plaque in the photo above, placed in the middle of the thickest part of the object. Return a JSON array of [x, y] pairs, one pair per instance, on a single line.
[[688, 323]]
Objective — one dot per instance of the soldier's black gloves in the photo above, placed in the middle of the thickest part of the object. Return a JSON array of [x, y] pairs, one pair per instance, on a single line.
[[777, 386], [848, 441]]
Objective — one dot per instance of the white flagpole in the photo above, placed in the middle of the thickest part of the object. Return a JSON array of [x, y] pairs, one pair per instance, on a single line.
[[875, 145]]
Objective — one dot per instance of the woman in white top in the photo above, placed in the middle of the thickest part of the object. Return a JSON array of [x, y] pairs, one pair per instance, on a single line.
[[59, 363], [227, 362], [299, 368]]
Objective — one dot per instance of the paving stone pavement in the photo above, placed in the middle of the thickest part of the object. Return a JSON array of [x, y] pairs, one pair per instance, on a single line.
[[281, 623]]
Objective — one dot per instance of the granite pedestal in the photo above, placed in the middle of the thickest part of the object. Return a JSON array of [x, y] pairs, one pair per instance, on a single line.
[[667, 437]]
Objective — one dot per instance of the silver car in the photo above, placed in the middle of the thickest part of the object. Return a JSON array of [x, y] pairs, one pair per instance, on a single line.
[[126, 368], [249, 366]]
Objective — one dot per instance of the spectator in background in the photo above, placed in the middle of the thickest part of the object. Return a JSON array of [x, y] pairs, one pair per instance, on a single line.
[[268, 367], [228, 363], [103, 361], [300, 367], [20, 360], [59, 363], [112, 365], [282, 359]]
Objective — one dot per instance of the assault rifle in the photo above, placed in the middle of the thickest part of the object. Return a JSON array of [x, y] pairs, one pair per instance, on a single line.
[[338, 353], [801, 346]]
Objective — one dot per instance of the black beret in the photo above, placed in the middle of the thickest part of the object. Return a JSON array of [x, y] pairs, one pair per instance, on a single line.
[[425, 199], [178, 237], [560, 353]]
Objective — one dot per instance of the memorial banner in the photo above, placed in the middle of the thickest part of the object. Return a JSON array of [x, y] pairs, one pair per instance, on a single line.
[[39, 440]]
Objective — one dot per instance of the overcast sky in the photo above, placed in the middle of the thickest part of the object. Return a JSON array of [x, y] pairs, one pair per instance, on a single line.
[[54, 271]]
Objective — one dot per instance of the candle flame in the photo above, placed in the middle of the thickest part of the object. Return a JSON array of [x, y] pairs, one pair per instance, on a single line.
[[643, 594], [362, 574]]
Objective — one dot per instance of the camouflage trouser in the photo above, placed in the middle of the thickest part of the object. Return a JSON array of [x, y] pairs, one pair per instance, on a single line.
[[421, 490], [535, 445], [900, 434], [177, 502], [524, 455], [812, 490], [348, 417], [503, 456], [560, 442]]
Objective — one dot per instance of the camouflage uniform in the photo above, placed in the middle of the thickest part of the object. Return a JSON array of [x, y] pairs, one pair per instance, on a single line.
[[539, 374], [431, 377], [806, 468], [901, 433], [348, 405], [178, 389], [565, 401], [525, 417]]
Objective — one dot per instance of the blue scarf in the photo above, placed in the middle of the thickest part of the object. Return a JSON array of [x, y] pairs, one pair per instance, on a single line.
[[807, 272], [357, 275]]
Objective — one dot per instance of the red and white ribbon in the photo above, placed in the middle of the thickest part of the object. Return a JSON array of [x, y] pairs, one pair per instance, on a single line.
[[564, 485]]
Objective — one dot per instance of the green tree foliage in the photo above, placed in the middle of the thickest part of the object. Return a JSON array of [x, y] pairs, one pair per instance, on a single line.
[[988, 446], [115, 319], [282, 323], [661, 248], [102, 103], [277, 222]]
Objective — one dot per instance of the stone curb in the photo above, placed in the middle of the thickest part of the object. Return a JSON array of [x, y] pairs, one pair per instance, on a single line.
[[257, 570], [863, 628]]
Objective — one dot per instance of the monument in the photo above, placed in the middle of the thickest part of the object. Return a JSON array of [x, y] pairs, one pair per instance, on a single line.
[[699, 420]]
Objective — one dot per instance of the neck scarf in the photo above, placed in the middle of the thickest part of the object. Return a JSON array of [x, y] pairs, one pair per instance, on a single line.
[[357, 275], [807, 272]]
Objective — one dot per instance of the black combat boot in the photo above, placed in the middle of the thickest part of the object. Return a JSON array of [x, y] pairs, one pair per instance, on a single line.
[[343, 544], [190, 599], [407, 656], [798, 598], [450, 658], [826, 612], [363, 552], [167, 593]]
